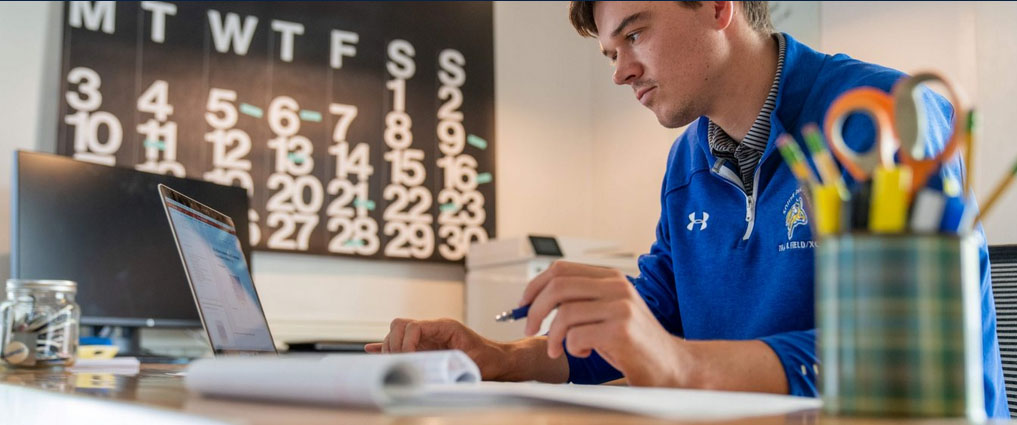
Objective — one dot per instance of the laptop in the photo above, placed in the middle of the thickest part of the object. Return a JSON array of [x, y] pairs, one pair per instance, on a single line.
[[218, 275]]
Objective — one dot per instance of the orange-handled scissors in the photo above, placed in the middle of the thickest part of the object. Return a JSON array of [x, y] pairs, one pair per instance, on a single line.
[[879, 107], [909, 113], [900, 129]]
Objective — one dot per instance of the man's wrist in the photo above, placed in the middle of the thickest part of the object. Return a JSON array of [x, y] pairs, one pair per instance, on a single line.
[[527, 360], [685, 365]]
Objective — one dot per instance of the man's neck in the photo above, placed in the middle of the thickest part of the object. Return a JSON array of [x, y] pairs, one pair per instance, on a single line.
[[746, 83]]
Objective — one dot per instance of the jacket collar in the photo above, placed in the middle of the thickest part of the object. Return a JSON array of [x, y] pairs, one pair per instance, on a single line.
[[801, 66]]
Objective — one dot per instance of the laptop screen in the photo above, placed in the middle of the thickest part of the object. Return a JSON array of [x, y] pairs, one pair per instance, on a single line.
[[219, 277]]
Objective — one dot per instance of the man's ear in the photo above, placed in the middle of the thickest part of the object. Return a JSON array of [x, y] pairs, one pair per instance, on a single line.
[[723, 13]]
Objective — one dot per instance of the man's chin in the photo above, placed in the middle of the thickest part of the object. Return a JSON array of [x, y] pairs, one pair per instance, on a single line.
[[675, 122]]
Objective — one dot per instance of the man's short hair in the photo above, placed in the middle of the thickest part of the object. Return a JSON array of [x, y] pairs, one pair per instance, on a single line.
[[757, 13]]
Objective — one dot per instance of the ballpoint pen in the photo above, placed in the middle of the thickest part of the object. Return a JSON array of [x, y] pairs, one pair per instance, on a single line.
[[514, 314]]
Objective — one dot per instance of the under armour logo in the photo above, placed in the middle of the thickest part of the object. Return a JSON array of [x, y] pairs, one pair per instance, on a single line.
[[693, 221]]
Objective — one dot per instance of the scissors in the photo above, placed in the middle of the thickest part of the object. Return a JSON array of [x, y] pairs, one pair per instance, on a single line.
[[899, 118]]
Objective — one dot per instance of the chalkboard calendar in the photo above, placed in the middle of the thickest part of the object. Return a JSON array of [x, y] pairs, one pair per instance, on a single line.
[[360, 129]]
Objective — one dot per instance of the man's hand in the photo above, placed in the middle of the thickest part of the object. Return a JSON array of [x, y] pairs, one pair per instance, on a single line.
[[599, 309], [406, 336]]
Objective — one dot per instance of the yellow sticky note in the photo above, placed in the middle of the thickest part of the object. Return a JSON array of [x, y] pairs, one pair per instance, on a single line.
[[97, 351]]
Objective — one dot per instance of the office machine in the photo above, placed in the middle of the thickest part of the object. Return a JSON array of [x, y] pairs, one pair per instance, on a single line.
[[104, 227], [498, 270]]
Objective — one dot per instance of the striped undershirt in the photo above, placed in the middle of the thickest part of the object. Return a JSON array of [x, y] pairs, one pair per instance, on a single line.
[[744, 156]]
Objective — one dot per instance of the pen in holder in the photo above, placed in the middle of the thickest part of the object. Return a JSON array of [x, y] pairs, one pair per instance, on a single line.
[[899, 319]]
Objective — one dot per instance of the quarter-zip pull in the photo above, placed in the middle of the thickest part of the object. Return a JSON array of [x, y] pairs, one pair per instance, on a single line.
[[748, 209]]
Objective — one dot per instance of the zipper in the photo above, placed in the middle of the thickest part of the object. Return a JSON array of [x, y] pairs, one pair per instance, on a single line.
[[750, 201]]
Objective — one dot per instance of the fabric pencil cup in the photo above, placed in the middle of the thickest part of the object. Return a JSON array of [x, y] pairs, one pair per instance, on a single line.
[[899, 326]]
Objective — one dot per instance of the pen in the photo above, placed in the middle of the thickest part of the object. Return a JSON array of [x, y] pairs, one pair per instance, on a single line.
[[514, 314]]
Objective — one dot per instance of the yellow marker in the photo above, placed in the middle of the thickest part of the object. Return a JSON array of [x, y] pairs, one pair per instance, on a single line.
[[824, 161], [827, 203], [891, 190]]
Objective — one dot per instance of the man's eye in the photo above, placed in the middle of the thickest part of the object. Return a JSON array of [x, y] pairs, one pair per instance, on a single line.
[[631, 37]]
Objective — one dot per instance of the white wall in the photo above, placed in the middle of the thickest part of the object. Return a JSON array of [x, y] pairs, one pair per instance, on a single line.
[[29, 80], [542, 121]]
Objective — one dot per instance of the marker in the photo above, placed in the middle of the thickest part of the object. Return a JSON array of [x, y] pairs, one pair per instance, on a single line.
[[513, 315], [955, 213], [927, 211], [821, 156], [855, 211], [891, 188]]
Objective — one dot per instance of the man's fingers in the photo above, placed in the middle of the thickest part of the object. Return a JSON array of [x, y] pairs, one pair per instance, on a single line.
[[571, 315], [374, 347], [558, 269], [394, 340], [411, 337], [580, 341], [562, 290]]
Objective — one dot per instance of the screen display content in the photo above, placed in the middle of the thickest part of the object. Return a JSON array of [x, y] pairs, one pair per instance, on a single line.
[[220, 280]]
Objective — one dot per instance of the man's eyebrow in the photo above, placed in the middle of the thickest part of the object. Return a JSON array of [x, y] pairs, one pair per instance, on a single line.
[[624, 23]]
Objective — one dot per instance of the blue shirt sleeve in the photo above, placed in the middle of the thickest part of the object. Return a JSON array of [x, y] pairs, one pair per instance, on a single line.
[[797, 353]]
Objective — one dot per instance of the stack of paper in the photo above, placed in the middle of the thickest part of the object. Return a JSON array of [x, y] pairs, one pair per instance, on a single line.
[[420, 382]]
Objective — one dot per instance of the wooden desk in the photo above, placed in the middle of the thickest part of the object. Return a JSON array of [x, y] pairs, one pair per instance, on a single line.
[[158, 392]]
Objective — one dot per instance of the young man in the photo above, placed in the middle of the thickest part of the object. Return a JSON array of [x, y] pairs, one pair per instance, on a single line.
[[724, 300]]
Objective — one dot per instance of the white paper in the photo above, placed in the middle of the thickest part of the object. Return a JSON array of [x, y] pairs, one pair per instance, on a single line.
[[669, 403], [119, 365]]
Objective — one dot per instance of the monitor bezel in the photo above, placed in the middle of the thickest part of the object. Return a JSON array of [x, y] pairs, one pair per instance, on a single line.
[[32, 159]]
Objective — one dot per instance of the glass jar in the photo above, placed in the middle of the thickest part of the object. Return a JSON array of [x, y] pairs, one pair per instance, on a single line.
[[40, 323]]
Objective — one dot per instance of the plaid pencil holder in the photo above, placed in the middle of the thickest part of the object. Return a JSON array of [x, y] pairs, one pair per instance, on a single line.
[[899, 328]]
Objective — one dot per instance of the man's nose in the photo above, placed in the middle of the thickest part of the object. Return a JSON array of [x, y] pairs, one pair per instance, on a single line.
[[626, 70]]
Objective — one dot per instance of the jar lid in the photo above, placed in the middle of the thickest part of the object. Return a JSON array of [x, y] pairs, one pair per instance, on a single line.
[[43, 284]]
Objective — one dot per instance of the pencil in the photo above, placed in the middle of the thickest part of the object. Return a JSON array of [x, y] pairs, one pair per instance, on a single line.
[[1000, 188], [824, 162], [795, 159], [969, 152]]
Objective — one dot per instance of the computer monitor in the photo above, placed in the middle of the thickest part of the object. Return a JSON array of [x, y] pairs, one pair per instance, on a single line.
[[105, 228]]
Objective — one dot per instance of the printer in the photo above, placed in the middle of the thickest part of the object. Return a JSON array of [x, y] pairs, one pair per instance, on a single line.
[[497, 272]]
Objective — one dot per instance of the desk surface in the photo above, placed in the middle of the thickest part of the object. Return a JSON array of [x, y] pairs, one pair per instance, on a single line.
[[159, 392]]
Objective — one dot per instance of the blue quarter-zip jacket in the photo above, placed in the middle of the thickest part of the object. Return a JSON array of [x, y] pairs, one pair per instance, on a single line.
[[730, 267]]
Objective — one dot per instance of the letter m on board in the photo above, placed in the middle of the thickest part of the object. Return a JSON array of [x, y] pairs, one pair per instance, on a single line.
[[93, 15]]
